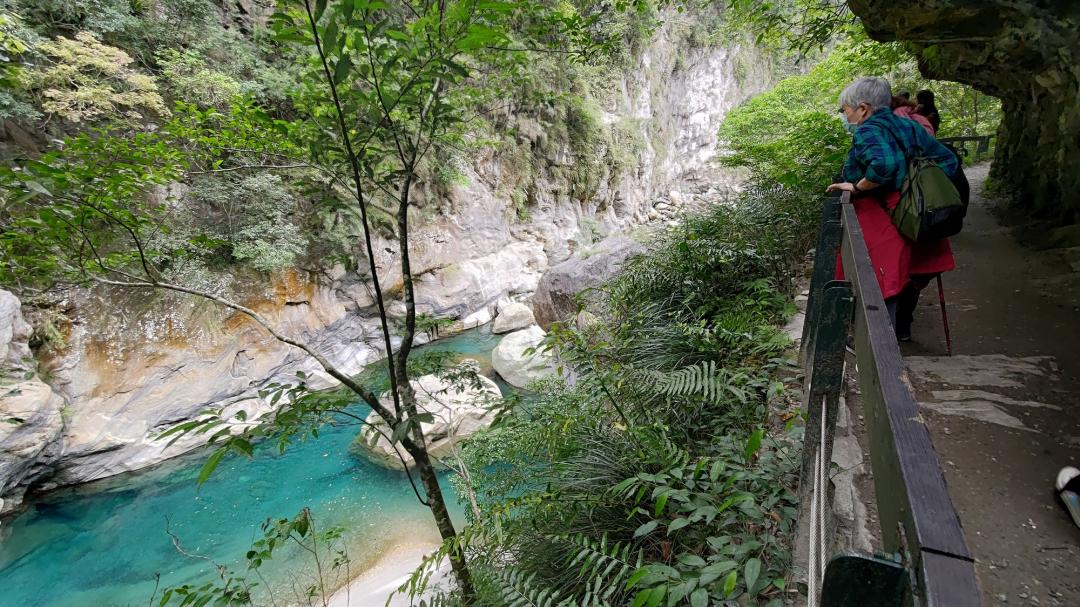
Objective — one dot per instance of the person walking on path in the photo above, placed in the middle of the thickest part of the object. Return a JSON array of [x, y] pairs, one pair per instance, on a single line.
[[927, 106], [906, 109], [875, 168]]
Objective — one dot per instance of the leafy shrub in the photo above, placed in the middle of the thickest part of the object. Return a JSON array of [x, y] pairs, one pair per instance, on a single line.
[[792, 134], [190, 79], [251, 218], [652, 479], [15, 42], [91, 81]]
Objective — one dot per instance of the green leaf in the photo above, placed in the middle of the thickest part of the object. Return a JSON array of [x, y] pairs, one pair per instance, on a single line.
[[37, 188], [752, 570], [691, 560], [329, 37], [699, 598], [400, 430], [320, 8], [242, 447], [302, 524], [636, 577], [210, 465], [714, 570], [660, 503], [656, 595], [754, 443], [646, 529], [677, 524], [714, 472], [729, 583], [341, 71]]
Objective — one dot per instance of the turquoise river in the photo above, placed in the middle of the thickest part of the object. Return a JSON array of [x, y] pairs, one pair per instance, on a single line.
[[105, 544]]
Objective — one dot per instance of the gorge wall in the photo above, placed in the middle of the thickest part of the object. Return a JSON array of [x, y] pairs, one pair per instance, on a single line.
[[1025, 52], [135, 364]]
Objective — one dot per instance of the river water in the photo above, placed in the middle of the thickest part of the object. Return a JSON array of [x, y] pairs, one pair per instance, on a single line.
[[105, 544]]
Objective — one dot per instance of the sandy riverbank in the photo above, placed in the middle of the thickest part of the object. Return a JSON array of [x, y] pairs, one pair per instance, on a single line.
[[372, 587]]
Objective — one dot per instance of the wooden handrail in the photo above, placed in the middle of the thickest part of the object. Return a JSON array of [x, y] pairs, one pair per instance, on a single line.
[[919, 524]]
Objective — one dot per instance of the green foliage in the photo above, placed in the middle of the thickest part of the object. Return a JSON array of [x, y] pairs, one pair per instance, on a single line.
[[250, 217], [15, 42], [796, 26], [90, 81], [98, 16], [189, 78], [792, 134], [652, 479]]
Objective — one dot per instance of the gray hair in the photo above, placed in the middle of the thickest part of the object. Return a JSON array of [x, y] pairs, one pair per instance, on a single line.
[[872, 91]]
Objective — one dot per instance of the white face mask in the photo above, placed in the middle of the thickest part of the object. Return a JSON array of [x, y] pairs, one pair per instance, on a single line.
[[848, 126]]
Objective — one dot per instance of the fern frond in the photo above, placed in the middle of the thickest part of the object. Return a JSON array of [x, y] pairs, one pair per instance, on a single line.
[[706, 380], [517, 589], [603, 567]]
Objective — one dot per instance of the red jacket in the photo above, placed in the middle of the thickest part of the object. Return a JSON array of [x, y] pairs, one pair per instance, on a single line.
[[895, 258]]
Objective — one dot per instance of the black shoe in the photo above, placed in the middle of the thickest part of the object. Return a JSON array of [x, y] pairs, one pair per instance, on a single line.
[[903, 335]]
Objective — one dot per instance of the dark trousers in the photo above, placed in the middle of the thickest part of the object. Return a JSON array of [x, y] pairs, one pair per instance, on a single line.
[[901, 307]]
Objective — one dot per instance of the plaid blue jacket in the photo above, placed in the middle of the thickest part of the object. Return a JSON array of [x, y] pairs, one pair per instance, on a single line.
[[876, 155]]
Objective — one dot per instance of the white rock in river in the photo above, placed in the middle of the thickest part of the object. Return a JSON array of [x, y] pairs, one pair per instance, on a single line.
[[518, 369], [513, 317], [459, 411]]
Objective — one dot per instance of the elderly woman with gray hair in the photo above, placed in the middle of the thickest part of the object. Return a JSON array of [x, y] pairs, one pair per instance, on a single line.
[[875, 168]]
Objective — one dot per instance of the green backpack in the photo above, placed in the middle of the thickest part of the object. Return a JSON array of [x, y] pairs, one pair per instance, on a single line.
[[930, 207]]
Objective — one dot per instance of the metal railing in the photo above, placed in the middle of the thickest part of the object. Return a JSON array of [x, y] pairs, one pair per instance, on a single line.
[[982, 143], [926, 561]]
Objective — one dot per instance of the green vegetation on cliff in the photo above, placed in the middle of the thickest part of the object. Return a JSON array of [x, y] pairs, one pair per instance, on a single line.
[[664, 473]]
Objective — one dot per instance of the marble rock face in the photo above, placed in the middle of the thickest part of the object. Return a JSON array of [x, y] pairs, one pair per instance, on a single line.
[[31, 423], [137, 364]]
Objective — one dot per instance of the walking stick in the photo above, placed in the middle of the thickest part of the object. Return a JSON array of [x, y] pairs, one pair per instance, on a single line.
[[944, 316]]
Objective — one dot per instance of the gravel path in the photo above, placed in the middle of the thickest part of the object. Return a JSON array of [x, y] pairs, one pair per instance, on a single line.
[[1004, 411]]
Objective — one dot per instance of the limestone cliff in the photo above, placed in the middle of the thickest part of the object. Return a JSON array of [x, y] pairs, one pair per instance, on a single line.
[[1027, 53], [136, 364], [30, 413]]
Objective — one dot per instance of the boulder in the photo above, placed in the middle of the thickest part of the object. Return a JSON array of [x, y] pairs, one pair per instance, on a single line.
[[554, 299], [513, 317], [30, 427], [459, 412], [517, 368], [586, 319]]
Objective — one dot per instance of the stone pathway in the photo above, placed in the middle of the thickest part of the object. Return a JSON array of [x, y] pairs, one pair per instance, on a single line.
[[1004, 411]]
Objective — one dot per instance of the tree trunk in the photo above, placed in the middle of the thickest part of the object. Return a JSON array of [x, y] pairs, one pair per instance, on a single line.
[[442, 520]]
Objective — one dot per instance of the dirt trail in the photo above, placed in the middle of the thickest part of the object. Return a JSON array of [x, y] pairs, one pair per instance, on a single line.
[[1004, 411]]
